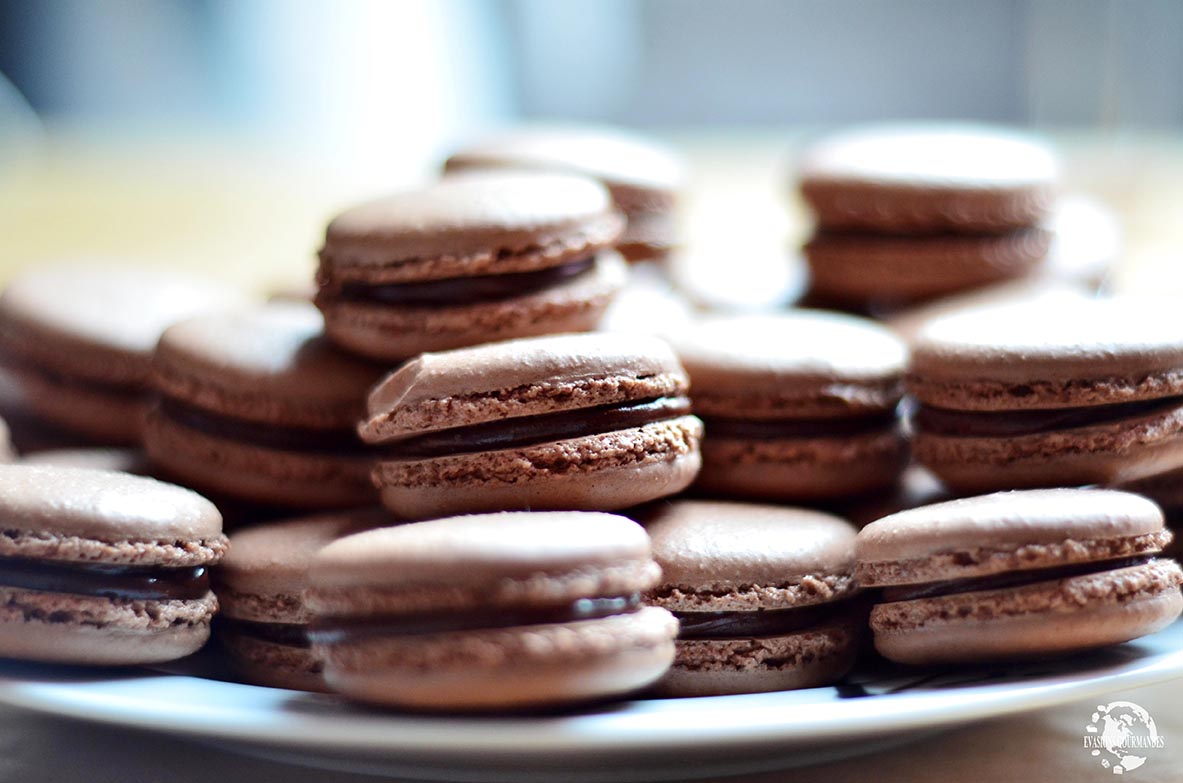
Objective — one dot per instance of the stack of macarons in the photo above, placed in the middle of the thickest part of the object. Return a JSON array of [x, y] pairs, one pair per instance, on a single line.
[[906, 213]]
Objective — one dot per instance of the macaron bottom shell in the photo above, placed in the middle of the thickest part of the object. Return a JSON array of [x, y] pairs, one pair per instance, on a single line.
[[794, 469], [600, 472], [1042, 618], [254, 473], [804, 659], [275, 665], [66, 628], [1126, 450], [394, 333], [507, 668]]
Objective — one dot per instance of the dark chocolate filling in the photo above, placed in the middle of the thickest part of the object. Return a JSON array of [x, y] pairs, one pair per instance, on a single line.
[[287, 634], [529, 430], [1009, 579], [758, 429], [343, 630], [1002, 424], [466, 290], [754, 625], [128, 583], [303, 439]]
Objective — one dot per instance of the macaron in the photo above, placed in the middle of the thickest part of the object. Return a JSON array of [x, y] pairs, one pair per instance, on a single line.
[[642, 175], [263, 622], [256, 405], [1030, 573], [472, 259], [796, 407], [763, 595], [871, 270], [591, 422], [1053, 392], [494, 611], [103, 568], [928, 179], [77, 340]]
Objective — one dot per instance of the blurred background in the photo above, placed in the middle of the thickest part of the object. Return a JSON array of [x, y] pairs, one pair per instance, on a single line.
[[224, 132]]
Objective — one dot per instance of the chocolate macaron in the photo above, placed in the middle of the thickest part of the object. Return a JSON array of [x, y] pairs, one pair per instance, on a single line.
[[763, 595], [103, 568], [77, 340], [491, 611], [1018, 574], [1052, 392], [471, 259], [257, 405], [590, 422], [260, 584], [926, 179], [643, 176], [800, 406]]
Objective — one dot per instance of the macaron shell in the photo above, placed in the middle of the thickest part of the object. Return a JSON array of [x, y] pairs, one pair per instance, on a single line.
[[122, 460], [109, 417], [650, 236], [1125, 450], [1044, 618], [802, 469], [807, 659], [392, 333], [473, 224], [1005, 531], [600, 472], [100, 321], [266, 364], [520, 378], [1049, 353], [928, 178], [100, 631], [507, 668], [104, 506], [859, 268], [255, 473], [802, 363]]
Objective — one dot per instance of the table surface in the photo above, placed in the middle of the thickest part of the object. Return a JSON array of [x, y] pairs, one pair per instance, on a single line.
[[252, 212]]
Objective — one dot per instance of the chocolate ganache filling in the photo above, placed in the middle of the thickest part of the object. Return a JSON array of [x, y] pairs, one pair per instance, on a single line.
[[467, 290], [286, 634], [759, 429], [757, 624], [342, 630], [102, 580], [1002, 424], [303, 439], [1008, 579], [530, 430]]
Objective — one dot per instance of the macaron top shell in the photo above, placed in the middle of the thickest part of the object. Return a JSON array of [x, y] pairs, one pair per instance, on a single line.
[[623, 162], [505, 559], [521, 378], [101, 321], [806, 362], [473, 224], [719, 556], [81, 514], [1006, 531], [1063, 351], [921, 156], [272, 561], [269, 363]]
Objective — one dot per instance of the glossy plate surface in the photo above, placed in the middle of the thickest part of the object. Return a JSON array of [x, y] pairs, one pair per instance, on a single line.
[[637, 740]]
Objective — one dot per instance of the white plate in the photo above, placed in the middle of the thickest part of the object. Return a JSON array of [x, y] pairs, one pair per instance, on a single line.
[[637, 740]]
